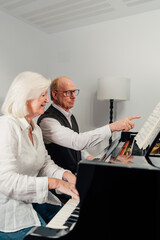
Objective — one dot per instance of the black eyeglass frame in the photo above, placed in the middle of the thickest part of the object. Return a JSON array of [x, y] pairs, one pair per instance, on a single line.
[[69, 93]]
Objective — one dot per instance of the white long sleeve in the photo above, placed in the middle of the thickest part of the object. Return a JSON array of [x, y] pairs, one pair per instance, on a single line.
[[54, 132], [24, 172]]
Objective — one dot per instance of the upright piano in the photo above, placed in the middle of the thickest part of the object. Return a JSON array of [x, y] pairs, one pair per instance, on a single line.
[[119, 196]]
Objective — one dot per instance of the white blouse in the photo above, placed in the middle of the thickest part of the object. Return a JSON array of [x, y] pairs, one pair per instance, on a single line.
[[24, 172]]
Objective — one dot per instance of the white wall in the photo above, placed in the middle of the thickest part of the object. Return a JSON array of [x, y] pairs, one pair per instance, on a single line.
[[22, 48], [128, 47]]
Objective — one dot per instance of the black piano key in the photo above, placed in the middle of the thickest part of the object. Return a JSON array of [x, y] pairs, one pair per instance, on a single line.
[[72, 218], [75, 216], [76, 212], [68, 224]]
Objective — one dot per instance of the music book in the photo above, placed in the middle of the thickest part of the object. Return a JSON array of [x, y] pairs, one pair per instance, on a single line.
[[150, 129]]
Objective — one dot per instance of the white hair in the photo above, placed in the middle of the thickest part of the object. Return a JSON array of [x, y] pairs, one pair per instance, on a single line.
[[26, 86]]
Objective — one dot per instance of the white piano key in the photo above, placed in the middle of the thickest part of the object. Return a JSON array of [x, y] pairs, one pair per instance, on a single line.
[[61, 217]]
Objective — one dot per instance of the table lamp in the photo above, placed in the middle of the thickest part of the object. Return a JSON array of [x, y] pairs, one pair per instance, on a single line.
[[113, 88]]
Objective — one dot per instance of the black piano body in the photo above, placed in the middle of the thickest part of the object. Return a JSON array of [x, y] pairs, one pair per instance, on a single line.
[[117, 201]]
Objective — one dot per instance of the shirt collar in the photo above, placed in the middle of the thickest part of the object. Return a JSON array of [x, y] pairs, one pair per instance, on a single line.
[[24, 124], [66, 114]]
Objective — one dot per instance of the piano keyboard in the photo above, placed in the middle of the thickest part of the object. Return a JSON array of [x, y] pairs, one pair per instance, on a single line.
[[66, 217]]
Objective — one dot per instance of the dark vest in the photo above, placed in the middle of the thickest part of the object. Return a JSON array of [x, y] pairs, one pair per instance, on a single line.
[[66, 158]]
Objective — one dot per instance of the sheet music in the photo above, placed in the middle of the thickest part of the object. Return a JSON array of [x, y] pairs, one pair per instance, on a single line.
[[149, 130]]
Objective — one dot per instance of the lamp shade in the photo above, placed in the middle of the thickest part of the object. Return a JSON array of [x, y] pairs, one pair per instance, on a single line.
[[116, 88]]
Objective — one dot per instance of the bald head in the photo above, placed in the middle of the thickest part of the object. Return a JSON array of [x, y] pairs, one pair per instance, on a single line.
[[62, 92], [65, 83], [61, 84]]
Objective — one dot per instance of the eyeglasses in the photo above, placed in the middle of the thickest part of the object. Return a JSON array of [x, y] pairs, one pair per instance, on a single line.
[[70, 93]]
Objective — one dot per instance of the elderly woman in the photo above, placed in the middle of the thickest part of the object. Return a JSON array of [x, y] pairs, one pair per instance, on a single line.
[[26, 170]]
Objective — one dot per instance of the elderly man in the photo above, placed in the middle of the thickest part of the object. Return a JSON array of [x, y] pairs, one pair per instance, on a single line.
[[60, 129]]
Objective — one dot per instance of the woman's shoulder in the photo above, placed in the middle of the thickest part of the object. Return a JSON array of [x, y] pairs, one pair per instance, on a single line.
[[8, 120]]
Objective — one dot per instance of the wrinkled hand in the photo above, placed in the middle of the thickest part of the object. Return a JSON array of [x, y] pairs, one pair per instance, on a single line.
[[69, 177], [122, 159], [63, 186], [90, 158], [124, 124]]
